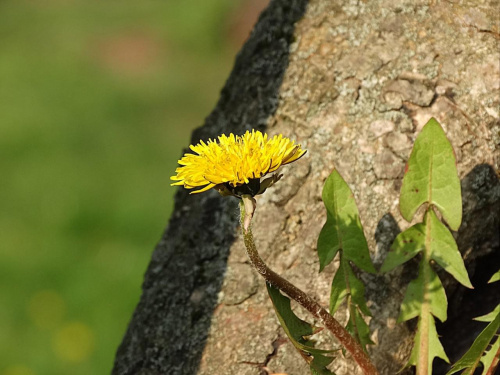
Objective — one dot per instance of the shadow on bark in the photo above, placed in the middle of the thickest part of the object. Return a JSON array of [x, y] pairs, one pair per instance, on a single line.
[[478, 240], [170, 325]]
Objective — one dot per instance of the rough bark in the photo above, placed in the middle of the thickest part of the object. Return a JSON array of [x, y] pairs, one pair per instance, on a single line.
[[353, 82]]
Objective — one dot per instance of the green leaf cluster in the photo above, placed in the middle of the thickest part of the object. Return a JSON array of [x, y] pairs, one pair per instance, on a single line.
[[343, 234], [430, 179], [299, 332]]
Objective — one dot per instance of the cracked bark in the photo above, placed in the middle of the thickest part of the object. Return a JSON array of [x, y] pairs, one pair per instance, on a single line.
[[353, 82]]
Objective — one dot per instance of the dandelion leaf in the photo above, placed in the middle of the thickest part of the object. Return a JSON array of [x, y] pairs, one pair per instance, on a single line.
[[490, 359], [445, 252], [357, 291], [299, 333], [347, 285], [435, 349], [443, 248], [416, 294], [342, 229], [495, 277], [358, 328], [338, 292], [431, 176], [479, 351], [318, 365], [406, 245], [489, 317]]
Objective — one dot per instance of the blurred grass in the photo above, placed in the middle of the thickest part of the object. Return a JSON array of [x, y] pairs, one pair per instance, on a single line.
[[97, 100]]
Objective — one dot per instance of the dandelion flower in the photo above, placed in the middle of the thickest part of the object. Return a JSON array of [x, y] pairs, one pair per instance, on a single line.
[[235, 165]]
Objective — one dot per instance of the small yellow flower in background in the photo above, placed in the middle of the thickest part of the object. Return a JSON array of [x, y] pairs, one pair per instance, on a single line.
[[235, 164]]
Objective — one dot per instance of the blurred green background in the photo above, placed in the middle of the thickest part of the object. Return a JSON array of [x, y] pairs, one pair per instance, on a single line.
[[97, 100]]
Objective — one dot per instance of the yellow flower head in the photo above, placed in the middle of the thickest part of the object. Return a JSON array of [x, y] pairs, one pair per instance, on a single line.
[[235, 164]]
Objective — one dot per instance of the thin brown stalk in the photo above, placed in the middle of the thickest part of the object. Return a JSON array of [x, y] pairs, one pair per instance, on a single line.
[[345, 339]]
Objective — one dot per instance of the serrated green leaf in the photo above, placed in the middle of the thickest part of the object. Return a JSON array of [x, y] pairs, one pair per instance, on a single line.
[[342, 287], [474, 355], [328, 243], [339, 290], [431, 176], [435, 349], [299, 331], [489, 317], [361, 331], [357, 291], [295, 328], [342, 229], [406, 245], [491, 357], [495, 277], [444, 250], [415, 296], [318, 365]]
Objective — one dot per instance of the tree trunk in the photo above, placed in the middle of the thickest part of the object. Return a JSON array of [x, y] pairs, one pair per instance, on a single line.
[[353, 82]]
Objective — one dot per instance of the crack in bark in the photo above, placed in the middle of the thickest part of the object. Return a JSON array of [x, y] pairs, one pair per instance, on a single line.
[[495, 34], [263, 369]]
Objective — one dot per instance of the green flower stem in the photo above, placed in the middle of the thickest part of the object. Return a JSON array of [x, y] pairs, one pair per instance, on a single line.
[[349, 343], [423, 358]]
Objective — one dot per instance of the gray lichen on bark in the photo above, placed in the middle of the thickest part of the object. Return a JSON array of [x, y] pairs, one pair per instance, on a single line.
[[361, 80]]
